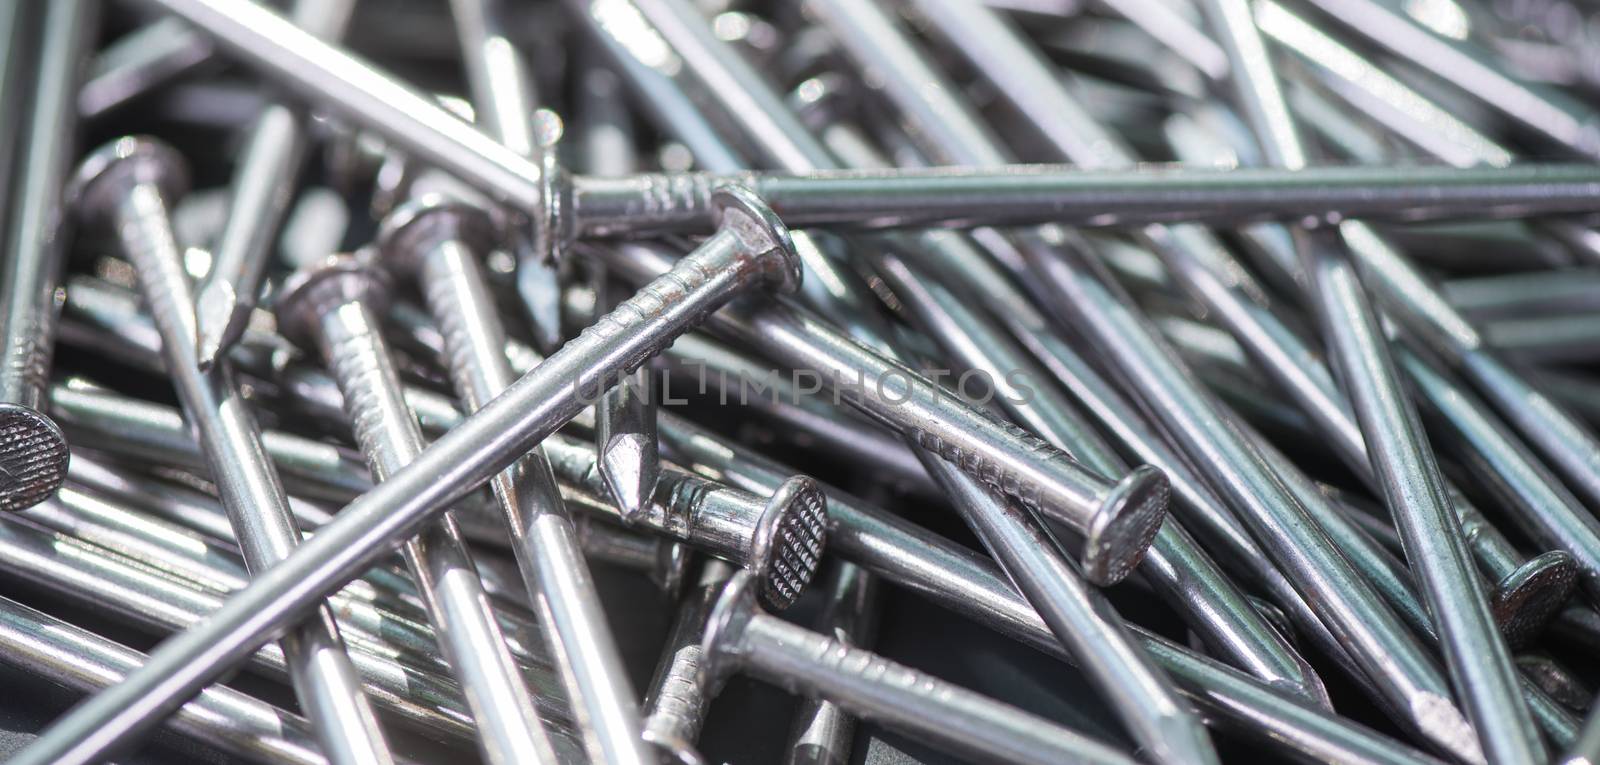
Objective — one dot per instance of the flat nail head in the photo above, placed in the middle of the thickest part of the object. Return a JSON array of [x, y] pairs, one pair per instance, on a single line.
[[721, 642], [109, 172], [1121, 530], [788, 541], [740, 210], [33, 457], [338, 278], [422, 222], [1527, 598]]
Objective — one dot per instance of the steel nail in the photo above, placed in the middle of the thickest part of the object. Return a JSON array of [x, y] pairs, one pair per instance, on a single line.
[[1349, 608], [261, 190], [823, 732], [752, 249], [1118, 520], [1553, 115], [439, 244], [140, 62], [740, 637], [33, 452], [1183, 574], [124, 186], [973, 585], [677, 697], [504, 99], [333, 307], [779, 538], [234, 722]]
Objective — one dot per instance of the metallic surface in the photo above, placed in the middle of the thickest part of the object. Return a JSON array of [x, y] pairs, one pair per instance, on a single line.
[[33, 452], [126, 186]]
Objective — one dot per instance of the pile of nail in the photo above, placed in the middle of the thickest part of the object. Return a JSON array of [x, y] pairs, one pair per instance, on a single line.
[[815, 381]]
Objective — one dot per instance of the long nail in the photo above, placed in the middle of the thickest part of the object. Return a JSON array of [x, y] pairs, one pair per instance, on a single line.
[[1478, 658], [33, 452], [1548, 511], [740, 637], [439, 244], [333, 307], [972, 585], [1118, 520], [1185, 575], [139, 62], [148, 600], [1349, 608], [125, 186], [219, 716], [823, 733], [751, 250], [504, 99], [261, 190], [779, 538], [677, 697], [1472, 71]]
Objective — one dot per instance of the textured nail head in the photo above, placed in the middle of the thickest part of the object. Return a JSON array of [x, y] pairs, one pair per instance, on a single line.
[[104, 178], [1122, 529], [1527, 598], [788, 542], [33, 457], [338, 279], [422, 222], [757, 227]]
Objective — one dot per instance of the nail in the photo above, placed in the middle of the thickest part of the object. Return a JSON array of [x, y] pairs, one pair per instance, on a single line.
[[1556, 680], [1541, 505], [751, 250], [1117, 520], [139, 63], [505, 101], [1554, 116], [1004, 195], [1082, 620], [677, 697], [124, 186], [33, 452], [740, 637], [1414, 490], [233, 722], [262, 188], [630, 460], [332, 307], [778, 538], [92, 578], [439, 244], [1347, 605], [823, 733], [1402, 459], [1183, 574], [970, 584]]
